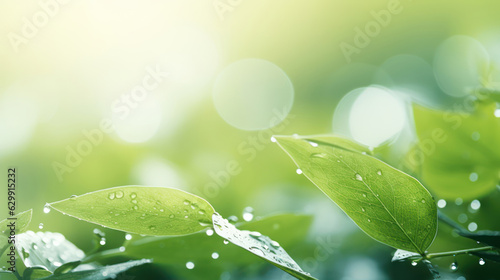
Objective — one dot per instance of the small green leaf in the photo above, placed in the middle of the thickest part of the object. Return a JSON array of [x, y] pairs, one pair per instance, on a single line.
[[4, 275], [457, 154], [22, 222], [67, 267], [260, 245], [489, 255], [387, 204], [101, 273], [141, 210], [47, 249]]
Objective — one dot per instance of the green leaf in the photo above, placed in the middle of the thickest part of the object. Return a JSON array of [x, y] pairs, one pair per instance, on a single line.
[[141, 210], [457, 154], [22, 222], [387, 204], [100, 273], [260, 245], [7, 275], [289, 229], [35, 272], [490, 255], [46, 249]]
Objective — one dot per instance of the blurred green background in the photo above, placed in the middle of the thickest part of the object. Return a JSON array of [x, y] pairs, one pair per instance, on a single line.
[[238, 72]]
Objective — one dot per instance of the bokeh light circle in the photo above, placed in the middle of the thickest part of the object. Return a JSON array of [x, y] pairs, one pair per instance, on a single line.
[[459, 65], [370, 115], [253, 94], [140, 124]]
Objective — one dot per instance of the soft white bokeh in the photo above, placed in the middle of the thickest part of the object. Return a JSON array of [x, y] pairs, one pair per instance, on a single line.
[[253, 94]]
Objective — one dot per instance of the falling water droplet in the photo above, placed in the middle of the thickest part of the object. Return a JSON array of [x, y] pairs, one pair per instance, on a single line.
[[215, 255], [358, 177], [40, 226], [46, 209], [454, 266], [299, 171], [481, 261], [189, 265]]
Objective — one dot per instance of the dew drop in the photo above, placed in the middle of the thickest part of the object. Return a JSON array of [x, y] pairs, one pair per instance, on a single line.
[[369, 220], [256, 251], [210, 232], [215, 255], [255, 234], [133, 195], [481, 261], [248, 214], [135, 207], [454, 266], [134, 201], [226, 242], [119, 194], [414, 263], [379, 172], [111, 195], [189, 265], [73, 197], [441, 203], [358, 177], [128, 236], [186, 216], [187, 202], [364, 195], [299, 171], [102, 241], [152, 227], [313, 144], [423, 200], [273, 139], [46, 209], [122, 249], [318, 155], [171, 216], [363, 209], [40, 226], [202, 212], [275, 244]]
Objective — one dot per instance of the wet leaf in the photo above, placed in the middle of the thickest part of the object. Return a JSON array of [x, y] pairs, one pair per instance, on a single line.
[[402, 255], [387, 204], [101, 273], [487, 237], [35, 272], [141, 210], [490, 255], [289, 229], [259, 245], [457, 154], [47, 249]]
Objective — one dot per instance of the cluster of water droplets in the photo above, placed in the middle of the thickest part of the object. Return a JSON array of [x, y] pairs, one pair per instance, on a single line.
[[254, 242]]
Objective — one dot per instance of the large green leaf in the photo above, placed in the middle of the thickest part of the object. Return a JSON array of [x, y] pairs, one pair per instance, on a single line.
[[260, 245], [387, 204], [289, 229], [101, 273], [457, 154], [142, 210], [22, 222]]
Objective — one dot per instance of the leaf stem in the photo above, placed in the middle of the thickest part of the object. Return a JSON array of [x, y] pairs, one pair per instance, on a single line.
[[102, 255], [457, 252]]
